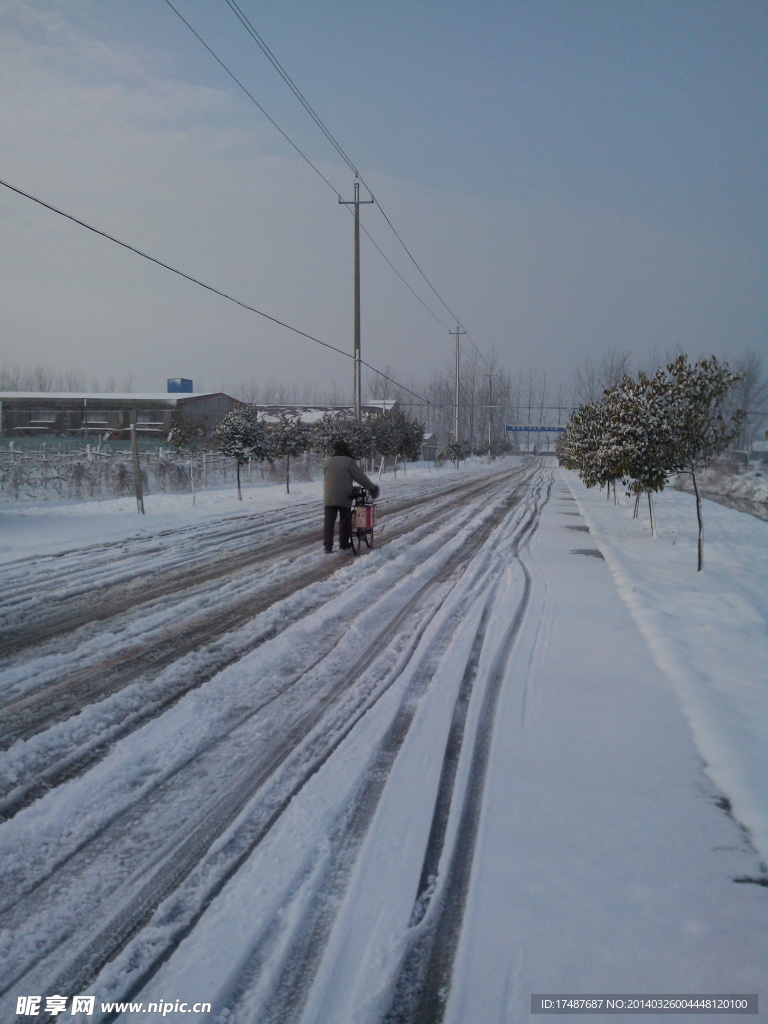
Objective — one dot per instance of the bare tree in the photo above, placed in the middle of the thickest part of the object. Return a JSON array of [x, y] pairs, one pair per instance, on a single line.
[[750, 394], [72, 380], [586, 387], [42, 378], [614, 367], [10, 378], [596, 376]]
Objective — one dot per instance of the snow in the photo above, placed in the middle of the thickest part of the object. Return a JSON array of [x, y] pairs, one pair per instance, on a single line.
[[71, 524], [106, 396], [706, 631], [609, 787], [750, 484]]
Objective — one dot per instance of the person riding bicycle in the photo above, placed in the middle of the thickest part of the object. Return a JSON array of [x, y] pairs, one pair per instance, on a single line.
[[340, 473]]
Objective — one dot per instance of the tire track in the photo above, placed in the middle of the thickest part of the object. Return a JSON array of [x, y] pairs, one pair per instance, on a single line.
[[74, 603], [174, 867], [105, 605], [38, 712], [302, 956], [423, 985]]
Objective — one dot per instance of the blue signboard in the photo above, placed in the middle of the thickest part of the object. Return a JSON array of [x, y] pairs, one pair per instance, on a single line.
[[534, 430]]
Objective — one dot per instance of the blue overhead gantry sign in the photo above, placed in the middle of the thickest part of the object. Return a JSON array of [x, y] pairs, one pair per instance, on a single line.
[[534, 430]]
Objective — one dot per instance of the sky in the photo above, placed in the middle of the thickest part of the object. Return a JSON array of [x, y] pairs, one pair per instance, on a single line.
[[565, 177]]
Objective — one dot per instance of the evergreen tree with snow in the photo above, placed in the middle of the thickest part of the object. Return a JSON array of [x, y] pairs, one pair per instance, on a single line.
[[454, 451], [701, 426], [581, 446], [188, 435], [398, 436], [364, 436], [636, 439], [288, 437], [332, 427], [240, 435]]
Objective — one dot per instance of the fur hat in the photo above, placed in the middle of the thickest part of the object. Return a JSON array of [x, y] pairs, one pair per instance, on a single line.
[[342, 448]]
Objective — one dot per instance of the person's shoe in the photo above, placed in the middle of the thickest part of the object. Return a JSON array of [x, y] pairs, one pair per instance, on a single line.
[[328, 551]]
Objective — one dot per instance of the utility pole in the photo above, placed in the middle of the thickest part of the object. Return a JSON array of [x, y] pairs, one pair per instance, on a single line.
[[357, 385], [490, 414], [457, 332], [137, 471]]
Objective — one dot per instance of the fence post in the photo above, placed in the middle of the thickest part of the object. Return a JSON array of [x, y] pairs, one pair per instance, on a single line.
[[137, 470]]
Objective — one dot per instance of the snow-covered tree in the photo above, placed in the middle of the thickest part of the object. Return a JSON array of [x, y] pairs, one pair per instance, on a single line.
[[241, 436], [389, 434], [636, 435], [701, 426], [332, 427], [674, 422], [581, 445], [410, 438], [364, 436], [188, 435], [453, 452], [398, 436], [288, 437]]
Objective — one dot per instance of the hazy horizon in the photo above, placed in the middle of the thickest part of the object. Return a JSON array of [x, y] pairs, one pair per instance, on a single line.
[[571, 179]]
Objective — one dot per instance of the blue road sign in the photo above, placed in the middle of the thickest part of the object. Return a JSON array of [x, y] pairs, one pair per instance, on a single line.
[[534, 430]]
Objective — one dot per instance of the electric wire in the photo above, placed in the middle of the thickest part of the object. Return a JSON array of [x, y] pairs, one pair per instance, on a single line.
[[207, 287], [245, 22], [315, 118], [290, 83], [479, 352], [413, 260], [251, 97], [237, 10], [397, 272]]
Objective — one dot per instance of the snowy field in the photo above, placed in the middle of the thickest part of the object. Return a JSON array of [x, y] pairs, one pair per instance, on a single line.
[[517, 748]]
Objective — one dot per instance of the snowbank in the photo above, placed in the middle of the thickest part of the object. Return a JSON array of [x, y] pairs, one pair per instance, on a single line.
[[726, 480], [707, 630], [47, 527]]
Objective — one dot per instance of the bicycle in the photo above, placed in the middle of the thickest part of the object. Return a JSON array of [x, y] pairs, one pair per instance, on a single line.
[[363, 519]]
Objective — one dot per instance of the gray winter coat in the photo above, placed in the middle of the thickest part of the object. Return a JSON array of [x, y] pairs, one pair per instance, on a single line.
[[340, 473]]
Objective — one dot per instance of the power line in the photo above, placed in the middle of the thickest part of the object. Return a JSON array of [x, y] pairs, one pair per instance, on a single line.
[[251, 97], [329, 135], [396, 271], [290, 83], [202, 284], [410, 256], [315, 117], [474, 345]]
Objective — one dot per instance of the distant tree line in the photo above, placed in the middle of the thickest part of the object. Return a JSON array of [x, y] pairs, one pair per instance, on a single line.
[[41, 378], [645, 429], [490, 397], [490, 394], [245, 436], [749, 393]]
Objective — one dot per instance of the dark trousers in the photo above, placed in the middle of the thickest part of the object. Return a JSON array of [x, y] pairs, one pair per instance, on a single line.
[[345, 518]]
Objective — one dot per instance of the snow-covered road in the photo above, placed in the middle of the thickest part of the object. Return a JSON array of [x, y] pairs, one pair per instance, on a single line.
[[412, 786]]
